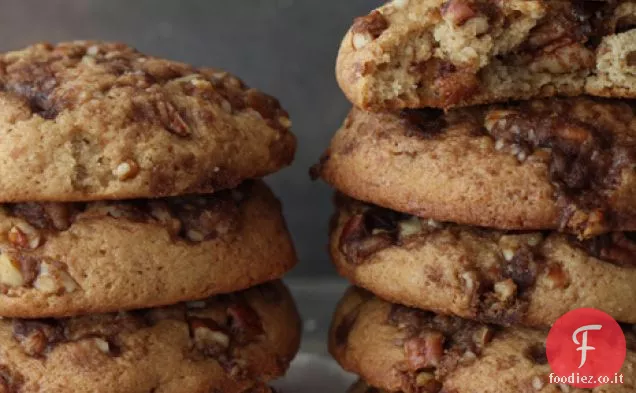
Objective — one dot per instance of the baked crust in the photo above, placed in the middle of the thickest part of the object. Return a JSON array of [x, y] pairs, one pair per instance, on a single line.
[[61, 259], [447, 53], [231, 343], [565, 164], [85, 121], [506, 278], [412, 351]]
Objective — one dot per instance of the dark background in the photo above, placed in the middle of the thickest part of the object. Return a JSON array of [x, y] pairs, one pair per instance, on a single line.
[[284, 47]]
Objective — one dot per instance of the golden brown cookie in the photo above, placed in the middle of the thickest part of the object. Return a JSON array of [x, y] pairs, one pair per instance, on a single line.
[[446, 53], [230, 343], [506, 278], [84, 121], [401, 349], [363, 387], [61, 259], [566, 164]]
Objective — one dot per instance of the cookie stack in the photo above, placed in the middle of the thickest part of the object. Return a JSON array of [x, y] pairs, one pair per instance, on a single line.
[[485, 189], [136, 252]]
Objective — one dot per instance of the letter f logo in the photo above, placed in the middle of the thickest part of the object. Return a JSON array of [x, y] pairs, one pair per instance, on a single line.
[[583, 345]]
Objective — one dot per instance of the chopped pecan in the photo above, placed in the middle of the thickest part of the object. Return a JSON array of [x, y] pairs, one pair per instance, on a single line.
[[493, 310], [454, 84], [171, 119], [373, 24], [160, 210], [584, 161], [36, 336], [367, 28], [53, 278], [209, 337], [483, 336], [245, 324], [505, 290], [458, 12], [25, 236], [425, 351], [11, 272], [557, 278], [630, 59], [357, 243], [410, 227], [126, 170]]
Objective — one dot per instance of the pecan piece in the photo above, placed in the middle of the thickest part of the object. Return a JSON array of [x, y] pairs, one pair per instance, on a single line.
[[424, 352], [482, 337], [557, 278], [53, 278], [454, 84], [171, 119], [35, 337], [209, 337], [367, 28], [374, 24], [245, 323], [11, 272], [126, 170], [25, 236], [505, 290], [357, 243], [458, 11]]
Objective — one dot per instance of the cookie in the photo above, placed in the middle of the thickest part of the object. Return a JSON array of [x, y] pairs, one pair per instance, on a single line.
[[230, 343], [566, 164], [402, 349], [506, 278], [61, 259], [447, 53], [363, 387], [85, 121]]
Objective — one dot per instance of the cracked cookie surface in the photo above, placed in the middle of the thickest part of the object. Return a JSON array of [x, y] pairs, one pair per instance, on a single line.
[[446, 53], [230, 343], [84, 121], [61, 259], [397, 348], [504, 278], [563, 163]]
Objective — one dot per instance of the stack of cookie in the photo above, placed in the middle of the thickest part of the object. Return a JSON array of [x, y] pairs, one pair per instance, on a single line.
[[137, 253], [494, 190]]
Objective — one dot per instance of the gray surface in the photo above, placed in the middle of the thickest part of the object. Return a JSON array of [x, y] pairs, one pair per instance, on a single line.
[[284, 47]]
